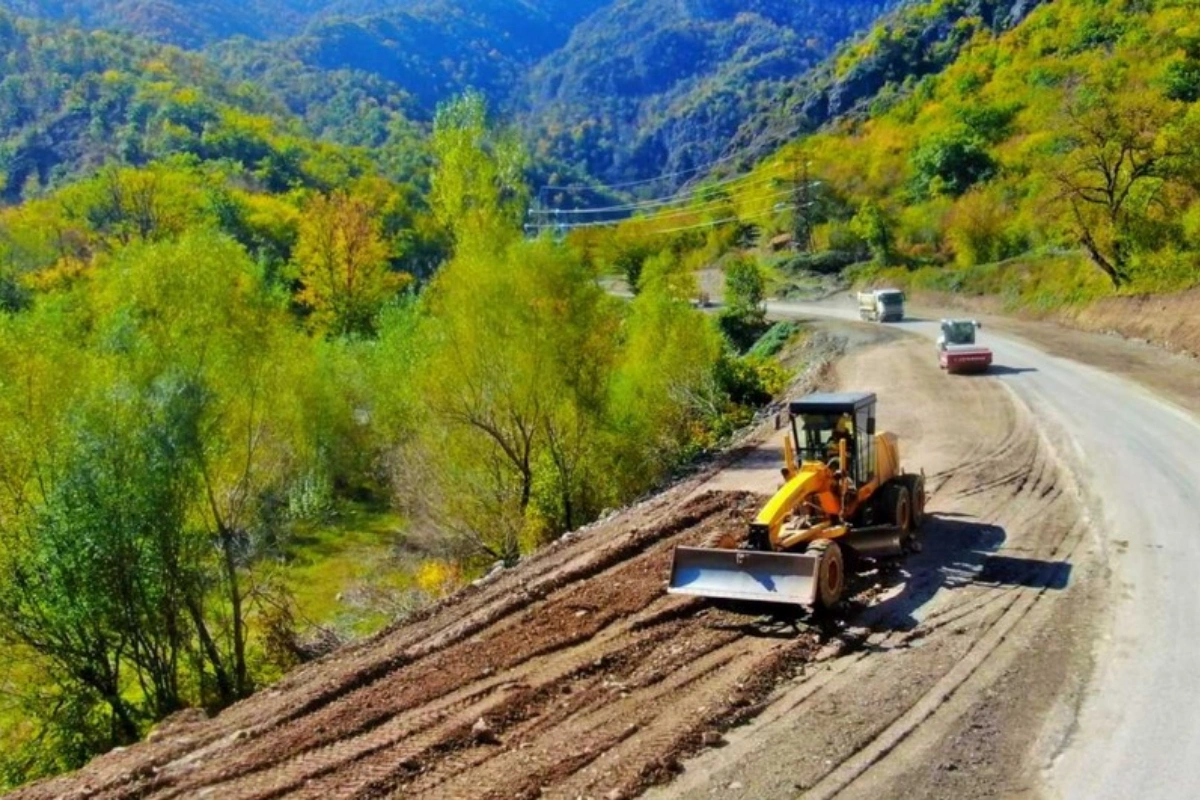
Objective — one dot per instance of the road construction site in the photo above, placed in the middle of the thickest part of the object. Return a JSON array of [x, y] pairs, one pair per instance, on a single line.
[[994, 663]]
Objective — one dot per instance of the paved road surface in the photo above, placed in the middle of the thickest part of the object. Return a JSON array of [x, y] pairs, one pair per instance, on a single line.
[[1138, 458]]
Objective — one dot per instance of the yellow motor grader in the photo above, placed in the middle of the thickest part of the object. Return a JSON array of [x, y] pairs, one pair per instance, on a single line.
[[844, 495]]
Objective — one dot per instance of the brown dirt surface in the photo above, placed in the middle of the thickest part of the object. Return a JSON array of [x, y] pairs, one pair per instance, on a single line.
[[575, 675], [972, 654]]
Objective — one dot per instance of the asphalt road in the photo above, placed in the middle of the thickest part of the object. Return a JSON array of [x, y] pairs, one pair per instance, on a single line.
[[1137, 458]]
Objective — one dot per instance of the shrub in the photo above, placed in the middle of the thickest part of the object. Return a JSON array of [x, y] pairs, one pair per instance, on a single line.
[[774, 340], [951, 163]]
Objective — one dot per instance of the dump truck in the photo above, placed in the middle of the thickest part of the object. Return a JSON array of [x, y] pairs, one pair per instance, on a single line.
[[881, 305], [957, 349], [845, 500]]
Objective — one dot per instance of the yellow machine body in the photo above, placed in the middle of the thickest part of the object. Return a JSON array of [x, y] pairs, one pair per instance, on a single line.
[[787, 556]]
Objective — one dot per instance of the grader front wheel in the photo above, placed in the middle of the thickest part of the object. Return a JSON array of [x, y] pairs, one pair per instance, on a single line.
[[831, 572]]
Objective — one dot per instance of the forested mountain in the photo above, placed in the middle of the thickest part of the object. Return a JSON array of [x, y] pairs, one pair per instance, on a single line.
[[1046, 154], [189, 24], [438, 48], [195, 23], [72, 101], [621, 89], [916, 40], [651, 86]]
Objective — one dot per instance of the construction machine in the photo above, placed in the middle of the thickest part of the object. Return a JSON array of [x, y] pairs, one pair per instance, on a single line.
[[845, 498], [957, 350]]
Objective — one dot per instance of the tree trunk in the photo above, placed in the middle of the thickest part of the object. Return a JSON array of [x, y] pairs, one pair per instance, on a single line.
[[224, 686], [241, 681]]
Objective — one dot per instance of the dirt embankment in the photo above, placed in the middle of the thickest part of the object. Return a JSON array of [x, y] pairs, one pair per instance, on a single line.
[[576, 675]]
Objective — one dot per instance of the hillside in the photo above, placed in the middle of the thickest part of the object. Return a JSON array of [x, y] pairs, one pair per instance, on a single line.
[[73, 101], [1052, 164], [188, 24], [1047, 163], [644, 88], [616, 89]]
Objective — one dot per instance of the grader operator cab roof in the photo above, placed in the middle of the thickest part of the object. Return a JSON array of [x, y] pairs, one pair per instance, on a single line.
[[832, 403]]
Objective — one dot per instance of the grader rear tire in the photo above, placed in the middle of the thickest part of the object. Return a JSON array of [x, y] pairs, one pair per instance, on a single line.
[[900, 507], [831, 572], [916, 489]]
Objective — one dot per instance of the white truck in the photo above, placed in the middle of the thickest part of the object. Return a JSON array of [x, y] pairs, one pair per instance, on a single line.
[[881, 305]]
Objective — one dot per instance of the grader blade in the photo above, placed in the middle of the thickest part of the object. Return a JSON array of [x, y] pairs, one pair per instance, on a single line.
[[744, 575]]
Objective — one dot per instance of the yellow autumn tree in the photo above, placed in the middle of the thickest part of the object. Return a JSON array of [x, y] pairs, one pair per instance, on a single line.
[[343, 261]]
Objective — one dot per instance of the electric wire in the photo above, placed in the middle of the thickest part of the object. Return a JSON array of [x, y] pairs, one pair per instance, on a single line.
[[644, 181], [673, 214], [749, 180]]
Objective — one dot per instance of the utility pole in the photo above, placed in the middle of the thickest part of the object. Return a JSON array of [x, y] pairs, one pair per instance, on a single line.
[[802, 238]]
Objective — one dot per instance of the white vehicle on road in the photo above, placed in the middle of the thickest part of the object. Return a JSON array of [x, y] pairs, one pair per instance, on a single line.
[[881, 305]]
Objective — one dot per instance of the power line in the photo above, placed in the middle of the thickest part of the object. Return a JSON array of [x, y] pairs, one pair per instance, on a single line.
[[642, 182], [714, 223], [670, 201], [681, 212]]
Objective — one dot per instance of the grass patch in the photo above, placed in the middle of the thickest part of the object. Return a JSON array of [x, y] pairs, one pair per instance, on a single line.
[[333, 569], [775, 339]]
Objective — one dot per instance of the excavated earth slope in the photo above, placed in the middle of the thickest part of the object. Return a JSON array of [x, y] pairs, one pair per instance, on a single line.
[[575, 675]]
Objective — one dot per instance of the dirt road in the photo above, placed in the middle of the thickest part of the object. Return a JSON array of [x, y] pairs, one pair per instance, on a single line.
[[1137, 733]]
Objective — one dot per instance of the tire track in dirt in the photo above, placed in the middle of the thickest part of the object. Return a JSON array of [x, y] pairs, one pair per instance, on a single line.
[[1018, 484]]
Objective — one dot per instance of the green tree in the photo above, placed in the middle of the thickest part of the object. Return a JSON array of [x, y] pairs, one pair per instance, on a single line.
[[744, 317], [872, 226], [344, 265], [950, 163], [1110, 180], [478, 190], [106, 579]]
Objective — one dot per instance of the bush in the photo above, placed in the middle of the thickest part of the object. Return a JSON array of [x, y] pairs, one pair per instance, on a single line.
[[741, 329], [774, 340], [750, 381], [828, 262], [951, 163]]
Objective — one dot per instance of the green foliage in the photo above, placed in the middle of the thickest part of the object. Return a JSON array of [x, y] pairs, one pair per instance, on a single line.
[[137, 503], [1182, 80], [744, 317], [871, 226], [774, 340], [951, 162], [478, 189]]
